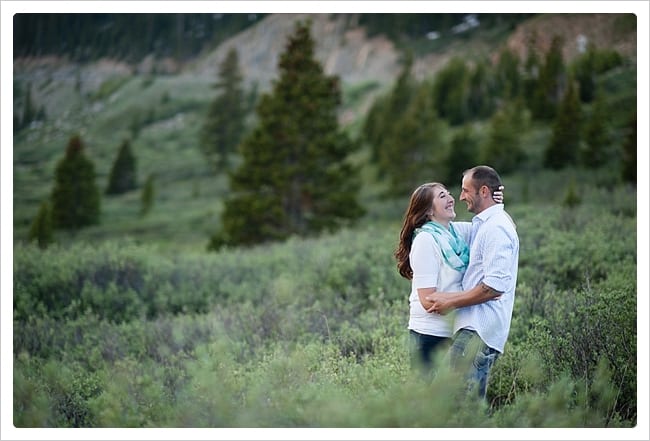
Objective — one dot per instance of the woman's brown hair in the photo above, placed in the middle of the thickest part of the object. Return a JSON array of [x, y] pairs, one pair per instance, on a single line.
[[417, 214]]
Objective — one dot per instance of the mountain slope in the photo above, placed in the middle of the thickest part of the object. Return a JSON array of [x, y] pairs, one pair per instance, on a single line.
[[160, 105], [343, 48]]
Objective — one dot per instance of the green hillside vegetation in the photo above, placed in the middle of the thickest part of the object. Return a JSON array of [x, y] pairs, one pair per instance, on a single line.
[[133, 322], [311, 332], [84, 37], [163, 115]]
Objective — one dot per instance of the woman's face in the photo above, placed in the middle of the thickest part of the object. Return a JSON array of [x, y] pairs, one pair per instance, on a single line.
[[443, 205]]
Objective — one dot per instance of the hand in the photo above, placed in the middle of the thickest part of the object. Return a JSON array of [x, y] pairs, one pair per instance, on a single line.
[[440, 303], [498, 195]]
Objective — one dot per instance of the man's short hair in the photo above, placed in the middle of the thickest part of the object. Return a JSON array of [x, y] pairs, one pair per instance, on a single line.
[[484, 175]]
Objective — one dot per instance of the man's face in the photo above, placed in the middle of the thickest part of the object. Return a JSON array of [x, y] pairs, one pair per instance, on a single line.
[[470, 195]]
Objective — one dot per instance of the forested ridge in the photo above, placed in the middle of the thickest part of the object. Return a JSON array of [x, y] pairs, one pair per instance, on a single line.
[[131, 37]]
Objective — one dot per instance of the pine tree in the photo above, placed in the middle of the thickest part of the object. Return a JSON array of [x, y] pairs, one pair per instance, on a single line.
[[563, 149], [480, 94], [29, 110], [225, 122], [551, 84], [596, 137], [75, 196], [629, 152], [415, 150], [530, 77], [584, 68], [503, 149], [294, 178], [571, 198], [464, 150], [122, 177], [385, 112], [146, 199], [450, 90], [508, 79], [374, 126], [41, 229]]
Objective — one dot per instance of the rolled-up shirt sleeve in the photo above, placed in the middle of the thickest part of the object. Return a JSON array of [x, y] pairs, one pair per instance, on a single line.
[[497, 262]]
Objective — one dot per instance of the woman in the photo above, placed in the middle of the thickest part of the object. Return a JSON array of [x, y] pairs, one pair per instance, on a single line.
[[433, 254]]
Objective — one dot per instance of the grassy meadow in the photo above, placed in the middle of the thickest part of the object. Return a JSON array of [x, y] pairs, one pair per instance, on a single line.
[[311, 332]]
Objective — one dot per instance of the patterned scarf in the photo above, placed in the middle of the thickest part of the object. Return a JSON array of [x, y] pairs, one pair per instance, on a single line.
[[454, 249]]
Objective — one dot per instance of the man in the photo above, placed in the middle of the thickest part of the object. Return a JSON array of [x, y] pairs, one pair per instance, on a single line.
[[484, 309]]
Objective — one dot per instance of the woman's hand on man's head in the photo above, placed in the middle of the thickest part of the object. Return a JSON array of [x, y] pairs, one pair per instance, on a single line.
[[497, 196]]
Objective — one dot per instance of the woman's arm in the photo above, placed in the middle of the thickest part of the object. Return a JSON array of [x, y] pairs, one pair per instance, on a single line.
[[422, 294], [444, 302], [425, 262]]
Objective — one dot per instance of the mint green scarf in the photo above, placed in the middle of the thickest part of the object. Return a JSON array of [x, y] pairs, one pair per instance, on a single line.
[[454, 249]]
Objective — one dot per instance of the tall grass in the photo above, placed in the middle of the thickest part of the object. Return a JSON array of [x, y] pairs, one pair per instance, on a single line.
[[312, 332]]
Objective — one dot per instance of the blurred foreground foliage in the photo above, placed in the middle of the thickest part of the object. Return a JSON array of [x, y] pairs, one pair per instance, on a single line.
[[311, 332]]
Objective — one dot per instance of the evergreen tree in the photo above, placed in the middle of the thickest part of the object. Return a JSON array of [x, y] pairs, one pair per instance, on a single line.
[[122, 177], [146, 199], [571, 198], [225, 122], [596, 137], [552, 83], [415, 150], [75, 196], [480, 94], [29, 111], [464, 150], [503, 149], [385, 112], [584, 68], [294, 178], [450, 91], [41, 229], [629, 152], [508, 80], [532, 67], [563, 149], [374, 126]]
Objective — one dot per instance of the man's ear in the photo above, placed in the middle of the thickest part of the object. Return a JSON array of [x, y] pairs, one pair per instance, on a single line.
[[485, 191]]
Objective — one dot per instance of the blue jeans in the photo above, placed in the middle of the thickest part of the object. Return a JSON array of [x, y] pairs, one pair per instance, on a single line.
[[467, 346], [422, 348]]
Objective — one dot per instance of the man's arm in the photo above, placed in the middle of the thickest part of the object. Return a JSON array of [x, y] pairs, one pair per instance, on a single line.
[[443, 302]]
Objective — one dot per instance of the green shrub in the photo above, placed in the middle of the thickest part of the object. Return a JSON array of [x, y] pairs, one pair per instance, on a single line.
[[312, 332], [31, 404]]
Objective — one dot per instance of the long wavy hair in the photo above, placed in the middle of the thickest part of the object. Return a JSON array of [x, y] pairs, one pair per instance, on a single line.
[[416, 215]]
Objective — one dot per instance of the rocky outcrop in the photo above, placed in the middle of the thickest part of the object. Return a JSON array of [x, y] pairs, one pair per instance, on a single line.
[[342, 51]]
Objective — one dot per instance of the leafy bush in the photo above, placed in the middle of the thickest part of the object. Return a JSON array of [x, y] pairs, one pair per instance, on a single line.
[[312, 332]]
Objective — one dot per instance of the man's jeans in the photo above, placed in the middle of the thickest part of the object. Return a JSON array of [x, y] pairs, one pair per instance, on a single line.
[[467, 347]]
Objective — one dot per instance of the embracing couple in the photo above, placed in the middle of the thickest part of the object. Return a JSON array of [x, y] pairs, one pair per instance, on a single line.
[[463, 274]]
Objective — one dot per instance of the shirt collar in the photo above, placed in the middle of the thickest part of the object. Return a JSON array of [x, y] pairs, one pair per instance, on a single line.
[[488, 212]]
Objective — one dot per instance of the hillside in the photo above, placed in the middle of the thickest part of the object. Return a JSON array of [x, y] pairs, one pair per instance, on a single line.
[[160, 103], [343, 48]]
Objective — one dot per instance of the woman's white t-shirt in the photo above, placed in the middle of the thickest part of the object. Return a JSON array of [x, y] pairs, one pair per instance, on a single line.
[[431, 271]]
